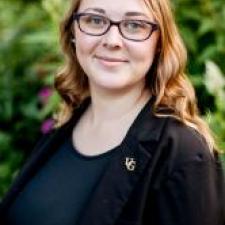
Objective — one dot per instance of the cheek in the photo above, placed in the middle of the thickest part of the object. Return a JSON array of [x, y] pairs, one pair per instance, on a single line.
[[85, 44], [84, 52], [144, 57]]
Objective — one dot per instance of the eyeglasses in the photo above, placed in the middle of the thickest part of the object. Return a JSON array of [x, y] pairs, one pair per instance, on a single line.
[[131, 29]]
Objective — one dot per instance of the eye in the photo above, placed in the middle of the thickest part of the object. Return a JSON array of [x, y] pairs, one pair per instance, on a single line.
[[94, 20], [134, 25]]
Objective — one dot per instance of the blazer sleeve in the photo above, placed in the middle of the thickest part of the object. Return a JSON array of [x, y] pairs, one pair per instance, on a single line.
[[194, 195], [194, 192]]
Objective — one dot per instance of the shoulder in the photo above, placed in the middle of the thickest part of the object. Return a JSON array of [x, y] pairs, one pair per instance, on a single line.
[[182, 145]]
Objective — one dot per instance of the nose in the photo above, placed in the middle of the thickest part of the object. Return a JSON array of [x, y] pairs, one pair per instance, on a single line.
[[113, 38]]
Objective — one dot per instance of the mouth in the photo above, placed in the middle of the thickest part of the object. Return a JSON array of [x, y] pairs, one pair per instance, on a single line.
[[111, 59]]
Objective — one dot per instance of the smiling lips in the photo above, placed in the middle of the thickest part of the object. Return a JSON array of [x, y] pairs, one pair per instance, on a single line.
[[108, 61]]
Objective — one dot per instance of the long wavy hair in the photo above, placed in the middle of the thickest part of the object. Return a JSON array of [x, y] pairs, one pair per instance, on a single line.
[[166, 78]]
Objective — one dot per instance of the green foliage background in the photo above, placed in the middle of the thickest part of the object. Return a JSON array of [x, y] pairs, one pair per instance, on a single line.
[[30, 56]]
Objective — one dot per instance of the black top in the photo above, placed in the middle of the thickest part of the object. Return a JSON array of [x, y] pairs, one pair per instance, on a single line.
[[57, 194], [163, 174]]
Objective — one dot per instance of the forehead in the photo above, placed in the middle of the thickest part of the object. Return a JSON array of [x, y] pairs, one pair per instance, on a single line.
[[117, 8]]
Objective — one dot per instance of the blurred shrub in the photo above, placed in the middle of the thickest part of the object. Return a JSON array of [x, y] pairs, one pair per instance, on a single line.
[[214, 81], [203, 31], [30, 56]]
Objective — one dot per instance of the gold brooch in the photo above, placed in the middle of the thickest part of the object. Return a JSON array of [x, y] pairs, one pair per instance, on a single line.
[[130, 163]]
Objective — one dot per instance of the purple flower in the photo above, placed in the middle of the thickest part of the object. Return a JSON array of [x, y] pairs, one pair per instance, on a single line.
[[44, 94], [47, 126]]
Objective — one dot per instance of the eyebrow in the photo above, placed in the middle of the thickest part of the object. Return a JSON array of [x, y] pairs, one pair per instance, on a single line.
[[132, 13]]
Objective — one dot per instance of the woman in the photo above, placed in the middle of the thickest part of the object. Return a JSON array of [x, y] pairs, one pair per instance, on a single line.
[[129, 147]]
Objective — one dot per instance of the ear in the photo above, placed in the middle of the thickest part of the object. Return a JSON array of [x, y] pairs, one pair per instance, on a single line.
[[73, 40], [72, 30]]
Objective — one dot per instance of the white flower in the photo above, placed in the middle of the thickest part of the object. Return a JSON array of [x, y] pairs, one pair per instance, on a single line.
[[214, 79]]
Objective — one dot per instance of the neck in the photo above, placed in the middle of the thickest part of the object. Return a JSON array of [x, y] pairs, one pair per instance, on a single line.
[[109, 107]]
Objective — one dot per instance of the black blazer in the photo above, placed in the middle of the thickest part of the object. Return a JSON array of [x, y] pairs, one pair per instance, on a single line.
[[164, 175]]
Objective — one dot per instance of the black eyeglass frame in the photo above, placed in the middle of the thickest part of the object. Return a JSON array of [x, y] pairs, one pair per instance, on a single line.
[[76, 17]]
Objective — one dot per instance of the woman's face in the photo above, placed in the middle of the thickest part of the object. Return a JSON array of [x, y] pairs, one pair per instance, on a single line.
[[110, 61]]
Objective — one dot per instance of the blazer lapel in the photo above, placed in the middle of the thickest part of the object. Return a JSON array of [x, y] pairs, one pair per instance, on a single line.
[[116, 185], [124, 171]]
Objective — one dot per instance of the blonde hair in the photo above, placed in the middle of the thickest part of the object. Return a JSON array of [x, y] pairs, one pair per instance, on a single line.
[[166, 79]]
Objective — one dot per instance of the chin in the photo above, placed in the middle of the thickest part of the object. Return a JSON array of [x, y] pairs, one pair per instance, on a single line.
[[112, 87], [116, 87]]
